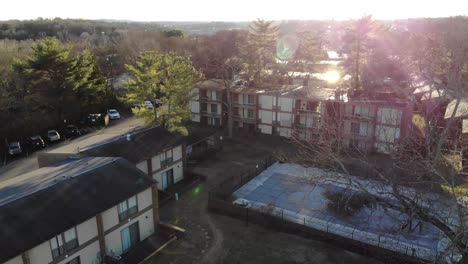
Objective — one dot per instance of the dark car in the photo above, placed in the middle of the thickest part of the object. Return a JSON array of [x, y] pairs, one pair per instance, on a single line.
[[35, 142], [95, 120], [72, 131]]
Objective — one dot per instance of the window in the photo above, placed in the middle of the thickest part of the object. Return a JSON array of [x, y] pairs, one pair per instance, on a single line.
[[249, 99], [127, 208], [56, 245], [250, 113], [165, 158], [71, 240], [217, 95], [355, 128], [359, 110], [74, 261], [203, 107], [64, 242], [214, 108]]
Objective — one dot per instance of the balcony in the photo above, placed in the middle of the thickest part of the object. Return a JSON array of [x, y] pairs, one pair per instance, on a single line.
[[209, 99], [276, 107], [358, 117], [210, 114]]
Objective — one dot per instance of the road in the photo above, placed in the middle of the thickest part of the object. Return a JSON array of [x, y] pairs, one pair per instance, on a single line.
[[27, 164]]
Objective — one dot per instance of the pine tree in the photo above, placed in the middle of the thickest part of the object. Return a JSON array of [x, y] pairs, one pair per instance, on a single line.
[[168, 78]]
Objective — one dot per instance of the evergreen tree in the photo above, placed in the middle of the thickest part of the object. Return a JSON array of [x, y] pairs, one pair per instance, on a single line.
[[260, 50], [168, 78]]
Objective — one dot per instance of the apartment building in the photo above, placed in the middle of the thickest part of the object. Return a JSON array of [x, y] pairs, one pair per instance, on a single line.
[[76, 212], [276, 111], [207, 104], [375, 125], [245, 108]]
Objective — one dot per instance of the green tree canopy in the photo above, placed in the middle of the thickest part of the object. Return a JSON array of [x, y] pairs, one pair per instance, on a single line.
[[168, 78]]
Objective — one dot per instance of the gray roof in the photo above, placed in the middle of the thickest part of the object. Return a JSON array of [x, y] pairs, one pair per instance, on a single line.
[[462, 109], [38, 205]]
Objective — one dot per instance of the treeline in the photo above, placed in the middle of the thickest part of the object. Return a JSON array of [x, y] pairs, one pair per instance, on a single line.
[[51, 70]]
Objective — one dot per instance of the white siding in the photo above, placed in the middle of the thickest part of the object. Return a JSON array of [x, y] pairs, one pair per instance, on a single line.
[[285, 119], [146, 225], [177, 153], [265, 129], [87, 230], [88, 255], [110, 218], [144, 199], [285, 132], [40, 254], [16, 260], [267, 116], [155, 163], [286, 104], [143, 166], [195, 106], [266, 101], [195, 117]]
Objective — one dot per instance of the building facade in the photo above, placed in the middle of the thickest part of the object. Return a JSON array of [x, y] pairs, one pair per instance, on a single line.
[[92, 221]]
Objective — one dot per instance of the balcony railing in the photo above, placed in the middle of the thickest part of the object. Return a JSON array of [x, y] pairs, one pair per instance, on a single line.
[[210, 99]]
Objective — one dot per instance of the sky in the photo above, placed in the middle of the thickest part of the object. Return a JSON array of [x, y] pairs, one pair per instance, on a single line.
[[229, 10]]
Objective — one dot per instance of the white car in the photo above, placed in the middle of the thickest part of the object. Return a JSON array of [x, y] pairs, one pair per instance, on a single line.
[[242, 203], [113, 114], [53, 135], [14, 148], [148, 105]]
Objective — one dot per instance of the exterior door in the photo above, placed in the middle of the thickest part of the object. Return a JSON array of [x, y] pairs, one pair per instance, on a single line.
[[130, 237]]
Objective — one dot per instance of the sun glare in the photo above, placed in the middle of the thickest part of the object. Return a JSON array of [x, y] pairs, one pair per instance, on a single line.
[[332, 76]]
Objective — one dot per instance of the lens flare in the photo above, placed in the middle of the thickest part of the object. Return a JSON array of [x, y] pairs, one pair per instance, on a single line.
[[332, 76]]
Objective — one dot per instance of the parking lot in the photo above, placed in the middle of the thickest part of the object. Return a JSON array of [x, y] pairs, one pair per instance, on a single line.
[[26, 163]]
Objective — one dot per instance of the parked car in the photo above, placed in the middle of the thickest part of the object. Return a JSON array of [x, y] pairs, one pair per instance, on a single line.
[[242, 203], [72, 131], [113, 114], [14, 148], [35, 142], [148, 105], [95, 120], [53, 135]]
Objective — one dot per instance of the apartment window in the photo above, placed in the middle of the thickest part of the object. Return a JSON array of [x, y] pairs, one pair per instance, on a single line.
[[249, 99], [355, 128], [74, 261], [56, 245], [64, 242], [359, 110], [127, 208], [250, 113], [165, 158], [203, 107], [214, 108], [71, 240]]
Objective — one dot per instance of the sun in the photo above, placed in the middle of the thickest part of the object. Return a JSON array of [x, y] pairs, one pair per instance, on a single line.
[[331, 76]]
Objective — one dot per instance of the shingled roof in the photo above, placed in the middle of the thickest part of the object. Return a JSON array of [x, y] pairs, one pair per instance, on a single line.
[[36, 206], [141, 145]]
